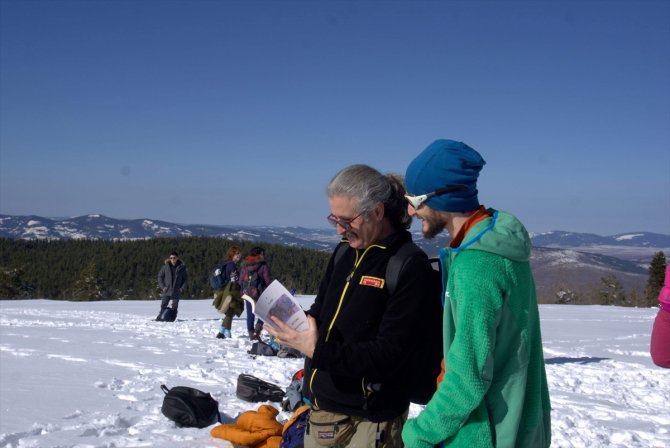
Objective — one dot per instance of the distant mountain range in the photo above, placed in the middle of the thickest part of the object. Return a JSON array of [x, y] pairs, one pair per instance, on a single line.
[[572, 239], [103, 227], [559, 258]]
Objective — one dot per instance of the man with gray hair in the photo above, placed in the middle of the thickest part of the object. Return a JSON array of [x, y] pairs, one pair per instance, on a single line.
[[361, 332], [493, 391]]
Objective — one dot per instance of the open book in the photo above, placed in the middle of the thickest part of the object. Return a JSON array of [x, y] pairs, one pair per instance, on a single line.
[[278, 302]]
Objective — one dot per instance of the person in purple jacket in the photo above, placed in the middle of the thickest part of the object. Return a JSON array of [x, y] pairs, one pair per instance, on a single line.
[[255, 276], [660, 334]]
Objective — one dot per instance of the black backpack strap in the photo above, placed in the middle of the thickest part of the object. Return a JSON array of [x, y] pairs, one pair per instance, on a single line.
[[339, 252], [165, 389], [398, 261]]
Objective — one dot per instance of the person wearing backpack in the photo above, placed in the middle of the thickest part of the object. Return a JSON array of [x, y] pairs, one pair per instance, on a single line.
[[255, 276], [493, 391], [227, 297], [172, 279], [361, 335]]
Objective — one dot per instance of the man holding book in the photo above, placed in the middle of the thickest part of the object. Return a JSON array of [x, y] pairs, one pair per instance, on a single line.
[[360, 335]]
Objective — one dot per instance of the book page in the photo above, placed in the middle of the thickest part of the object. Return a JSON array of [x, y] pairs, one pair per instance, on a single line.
[[277, 301]]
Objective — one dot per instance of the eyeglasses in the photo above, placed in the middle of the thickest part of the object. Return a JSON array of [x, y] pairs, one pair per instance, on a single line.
[[345, 223], [416, 201]]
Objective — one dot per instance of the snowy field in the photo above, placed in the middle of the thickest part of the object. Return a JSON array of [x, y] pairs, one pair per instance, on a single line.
[[89, 374]]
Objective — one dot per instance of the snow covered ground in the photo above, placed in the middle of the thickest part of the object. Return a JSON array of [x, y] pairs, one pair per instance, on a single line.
[[89, 374]]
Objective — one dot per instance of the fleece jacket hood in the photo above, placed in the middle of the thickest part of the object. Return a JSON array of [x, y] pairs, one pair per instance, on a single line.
[[501, 234]]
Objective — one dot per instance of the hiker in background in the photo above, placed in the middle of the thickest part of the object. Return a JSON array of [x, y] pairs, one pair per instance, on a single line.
[[660, 333], [172, 281], [255, 276], [361, 337], [224, 280], [493, 390]]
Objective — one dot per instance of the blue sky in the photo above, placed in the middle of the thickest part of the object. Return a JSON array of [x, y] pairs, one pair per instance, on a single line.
[[240, 112]]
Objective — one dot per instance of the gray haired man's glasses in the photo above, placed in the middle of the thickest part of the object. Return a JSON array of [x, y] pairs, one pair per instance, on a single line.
[[416, 201], [345, 223]]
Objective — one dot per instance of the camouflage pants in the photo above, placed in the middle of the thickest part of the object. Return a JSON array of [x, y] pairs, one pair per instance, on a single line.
[[228, 305]]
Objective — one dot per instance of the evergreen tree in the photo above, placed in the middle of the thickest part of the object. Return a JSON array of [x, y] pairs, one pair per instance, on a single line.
[[612, 292], [656, 278], [87, 286], [568, 296], [633, 298], [11, 283]]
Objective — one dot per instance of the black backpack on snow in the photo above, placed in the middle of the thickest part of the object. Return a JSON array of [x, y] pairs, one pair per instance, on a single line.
[[425, 360], [189, 407], [261, 348], [250, 388]]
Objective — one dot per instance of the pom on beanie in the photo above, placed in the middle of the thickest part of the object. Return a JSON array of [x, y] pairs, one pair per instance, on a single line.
[[444, 163]]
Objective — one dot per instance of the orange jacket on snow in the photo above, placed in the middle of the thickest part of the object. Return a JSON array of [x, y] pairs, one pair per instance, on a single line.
[[253, 429], [257, 429]]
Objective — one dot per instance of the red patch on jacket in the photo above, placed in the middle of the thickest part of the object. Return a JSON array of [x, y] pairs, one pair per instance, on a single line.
[[372, 281]]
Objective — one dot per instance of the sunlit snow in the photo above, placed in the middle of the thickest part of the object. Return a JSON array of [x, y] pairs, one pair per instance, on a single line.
[[88, 374]]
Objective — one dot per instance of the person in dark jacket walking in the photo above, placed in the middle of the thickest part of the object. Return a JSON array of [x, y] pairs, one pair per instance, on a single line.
[[361, 337], [255, 276], [172, 281]]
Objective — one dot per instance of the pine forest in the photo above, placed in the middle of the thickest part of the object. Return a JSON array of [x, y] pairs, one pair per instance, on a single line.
[[104, 270]]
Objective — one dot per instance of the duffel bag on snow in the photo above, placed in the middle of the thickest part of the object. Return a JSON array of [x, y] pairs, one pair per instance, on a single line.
[[188, 407], [261, 348], [250, 388]]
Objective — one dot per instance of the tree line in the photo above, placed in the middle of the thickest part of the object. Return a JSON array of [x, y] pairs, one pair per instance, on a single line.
[[104, 269]]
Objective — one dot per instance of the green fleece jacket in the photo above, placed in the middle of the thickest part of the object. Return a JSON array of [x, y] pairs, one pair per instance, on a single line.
[[494, 392]]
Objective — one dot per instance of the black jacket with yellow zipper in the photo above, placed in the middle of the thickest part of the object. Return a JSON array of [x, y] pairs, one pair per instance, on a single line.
[[359, 365]]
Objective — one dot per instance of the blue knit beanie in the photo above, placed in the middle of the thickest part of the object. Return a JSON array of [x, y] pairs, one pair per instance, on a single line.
[[445, 163]]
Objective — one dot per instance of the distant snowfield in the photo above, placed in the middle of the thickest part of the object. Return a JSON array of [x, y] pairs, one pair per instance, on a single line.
[[89, 374]]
